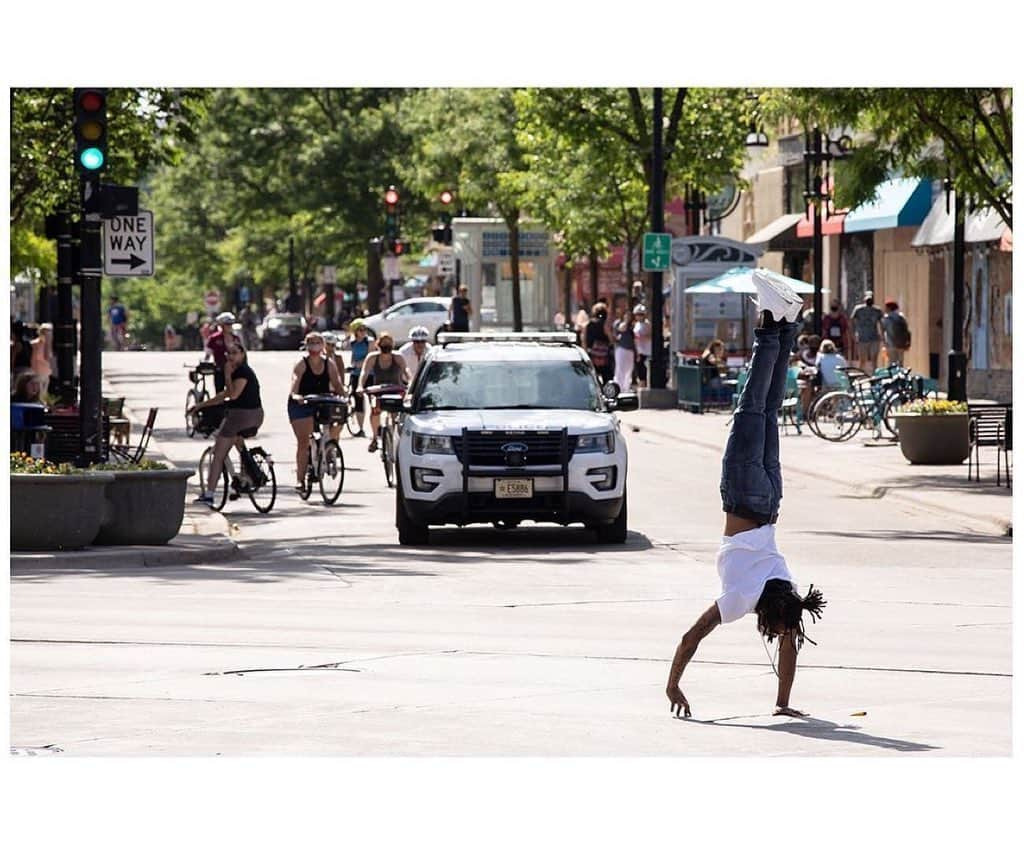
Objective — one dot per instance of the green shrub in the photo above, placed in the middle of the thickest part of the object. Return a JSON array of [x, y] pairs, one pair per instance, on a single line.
[[144, 464]]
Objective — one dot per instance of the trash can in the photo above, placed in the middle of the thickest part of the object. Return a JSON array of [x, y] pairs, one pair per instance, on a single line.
[[29, 428]]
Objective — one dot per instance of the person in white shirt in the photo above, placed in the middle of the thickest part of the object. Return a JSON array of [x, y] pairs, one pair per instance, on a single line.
[[754, 575], [415, 349]]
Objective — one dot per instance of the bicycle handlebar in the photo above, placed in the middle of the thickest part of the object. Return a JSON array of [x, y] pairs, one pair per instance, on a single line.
[[391, 389], [323, 399]]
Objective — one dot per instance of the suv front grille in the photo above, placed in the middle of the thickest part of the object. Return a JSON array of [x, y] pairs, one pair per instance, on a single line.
[[484, 448]]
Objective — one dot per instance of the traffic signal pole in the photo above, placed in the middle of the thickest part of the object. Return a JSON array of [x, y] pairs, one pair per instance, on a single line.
[[657, 189], [90, 274]]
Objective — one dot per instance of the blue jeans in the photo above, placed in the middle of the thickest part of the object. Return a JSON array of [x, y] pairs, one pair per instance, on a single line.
[[751, 484]]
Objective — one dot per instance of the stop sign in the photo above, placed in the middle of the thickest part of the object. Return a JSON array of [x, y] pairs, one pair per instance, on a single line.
[[212, 299]]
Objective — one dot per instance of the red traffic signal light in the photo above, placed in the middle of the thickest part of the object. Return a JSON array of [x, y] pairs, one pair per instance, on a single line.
[[446, 197], [398, 247], [391, 196]]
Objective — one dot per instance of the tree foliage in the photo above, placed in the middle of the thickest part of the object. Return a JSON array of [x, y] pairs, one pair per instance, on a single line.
[[963, 133]]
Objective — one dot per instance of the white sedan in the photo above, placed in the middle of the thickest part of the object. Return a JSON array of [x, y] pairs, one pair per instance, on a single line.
[[402, 317]]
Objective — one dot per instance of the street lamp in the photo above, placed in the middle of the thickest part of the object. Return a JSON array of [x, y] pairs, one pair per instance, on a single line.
[[819, 152]]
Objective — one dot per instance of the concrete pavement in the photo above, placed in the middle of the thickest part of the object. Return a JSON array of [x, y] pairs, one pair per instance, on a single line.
[[872, 468]]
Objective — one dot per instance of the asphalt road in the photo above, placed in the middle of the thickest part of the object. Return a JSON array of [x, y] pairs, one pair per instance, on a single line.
[[329, 638]]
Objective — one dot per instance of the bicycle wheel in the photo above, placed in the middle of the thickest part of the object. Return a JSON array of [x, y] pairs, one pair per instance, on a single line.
[[387, 454], [264, 493], [194, 398], [892, 406], [332, 472], [351, 421], [220, 495], [836, 417]]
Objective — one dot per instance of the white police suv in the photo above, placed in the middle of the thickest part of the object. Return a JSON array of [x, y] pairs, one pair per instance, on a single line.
[[502, 428]]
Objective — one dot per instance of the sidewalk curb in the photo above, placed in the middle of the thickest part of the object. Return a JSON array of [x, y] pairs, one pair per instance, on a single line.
[[183, 550], [873, 491]]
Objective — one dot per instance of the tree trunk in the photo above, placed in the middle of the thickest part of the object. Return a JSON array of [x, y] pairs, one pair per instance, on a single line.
[[374, 277], [517, 300], [567, 292], [593, 268]]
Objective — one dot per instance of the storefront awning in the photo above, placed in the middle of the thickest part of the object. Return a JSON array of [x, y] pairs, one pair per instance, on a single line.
[[831, 225], [780, 234], [981, 227], [899, 202]]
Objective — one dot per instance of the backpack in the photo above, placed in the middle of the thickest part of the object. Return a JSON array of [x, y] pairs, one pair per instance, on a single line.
[[900, 331]]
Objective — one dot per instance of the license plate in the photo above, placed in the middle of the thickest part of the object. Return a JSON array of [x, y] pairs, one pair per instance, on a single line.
[[513, 488]]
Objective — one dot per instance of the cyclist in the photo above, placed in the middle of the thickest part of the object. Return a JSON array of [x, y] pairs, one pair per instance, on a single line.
[[361, 346], [413, 351], [244, 410], [312, 374], [385, 366], [217, 345], [331, 353]]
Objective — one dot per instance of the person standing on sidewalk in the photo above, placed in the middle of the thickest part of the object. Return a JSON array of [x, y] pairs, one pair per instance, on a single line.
[[897, 332], [754, 576], [642, 334], [867, 329], [625, 351]]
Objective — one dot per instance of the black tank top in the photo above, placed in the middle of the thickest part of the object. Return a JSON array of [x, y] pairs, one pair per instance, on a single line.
[[313, 383]]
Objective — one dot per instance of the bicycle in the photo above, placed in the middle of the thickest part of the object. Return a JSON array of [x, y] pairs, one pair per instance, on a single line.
[[258, 480], [387, 431], [353, 401], [199, 392], [869, 402], [326, 464]]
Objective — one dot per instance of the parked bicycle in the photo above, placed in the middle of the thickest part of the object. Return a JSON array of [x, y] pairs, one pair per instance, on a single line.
[[867, 402], [326, 464], [199, 392], [388, 431], [256, 478]]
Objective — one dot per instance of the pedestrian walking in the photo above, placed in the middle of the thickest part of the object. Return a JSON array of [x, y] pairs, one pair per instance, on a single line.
[[459, 310], [896, 332], [867, 330], [754, 575], [625, 351], [597, 341], [835, 326], [642, 334]]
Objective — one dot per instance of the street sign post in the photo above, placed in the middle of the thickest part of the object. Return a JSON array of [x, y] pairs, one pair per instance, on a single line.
[[128, 245], [657, 251]]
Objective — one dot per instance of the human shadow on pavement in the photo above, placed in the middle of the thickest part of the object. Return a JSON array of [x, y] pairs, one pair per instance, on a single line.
[[809, 727]]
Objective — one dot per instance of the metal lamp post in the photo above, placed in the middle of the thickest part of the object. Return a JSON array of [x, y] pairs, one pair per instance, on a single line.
[[819, 151]]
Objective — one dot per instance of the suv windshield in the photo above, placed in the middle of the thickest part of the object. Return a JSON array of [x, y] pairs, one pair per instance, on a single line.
[[470, 385]]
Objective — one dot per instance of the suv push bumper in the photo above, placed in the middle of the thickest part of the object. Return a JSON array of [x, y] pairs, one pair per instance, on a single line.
[[468, 508]]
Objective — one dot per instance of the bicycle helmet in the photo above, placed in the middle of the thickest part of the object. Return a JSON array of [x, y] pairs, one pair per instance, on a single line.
[[357, 323], [225, 317], [419, 333], [330, 338]]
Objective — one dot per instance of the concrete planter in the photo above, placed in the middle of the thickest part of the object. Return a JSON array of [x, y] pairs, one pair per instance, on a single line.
[[143, 507], [56, 512], [933, 438]]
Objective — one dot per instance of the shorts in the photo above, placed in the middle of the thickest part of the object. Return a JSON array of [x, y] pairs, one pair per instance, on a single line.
[[868, 349], [237, 420], [299, 411]]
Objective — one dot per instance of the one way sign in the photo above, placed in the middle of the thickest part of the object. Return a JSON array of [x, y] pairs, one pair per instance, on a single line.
[[128, 245]]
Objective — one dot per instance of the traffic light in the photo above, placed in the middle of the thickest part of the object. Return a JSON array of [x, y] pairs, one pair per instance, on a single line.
[[392, 223], [90, 130], [443, 234], [400, 247]]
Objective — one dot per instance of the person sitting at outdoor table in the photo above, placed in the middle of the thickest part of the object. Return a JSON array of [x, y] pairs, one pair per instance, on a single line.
[[828, 363], [28, 387], [713, 369], [808, 380]]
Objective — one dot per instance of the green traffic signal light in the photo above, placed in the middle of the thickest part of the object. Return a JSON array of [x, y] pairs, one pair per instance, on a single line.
[[91, 158]]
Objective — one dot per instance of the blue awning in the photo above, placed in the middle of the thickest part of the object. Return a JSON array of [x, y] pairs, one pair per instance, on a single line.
[[900, 202]]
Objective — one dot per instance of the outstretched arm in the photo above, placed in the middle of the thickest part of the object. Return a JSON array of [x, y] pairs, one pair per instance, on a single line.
[[787, 673], [687, 647]]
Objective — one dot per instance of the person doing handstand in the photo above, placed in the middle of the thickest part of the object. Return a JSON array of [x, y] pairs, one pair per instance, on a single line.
[[754, 576]]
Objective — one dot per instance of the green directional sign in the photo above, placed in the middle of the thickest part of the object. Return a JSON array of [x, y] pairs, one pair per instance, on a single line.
[[657, 251]]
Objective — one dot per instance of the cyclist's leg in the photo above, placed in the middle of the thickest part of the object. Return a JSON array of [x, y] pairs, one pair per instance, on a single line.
[[359, 400], [773, 404], [303, 428], [221, 447], [374, 423], [746, 488]]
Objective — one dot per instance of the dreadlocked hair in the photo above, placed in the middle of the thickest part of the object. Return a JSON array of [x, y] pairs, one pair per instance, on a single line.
[[780, 605]]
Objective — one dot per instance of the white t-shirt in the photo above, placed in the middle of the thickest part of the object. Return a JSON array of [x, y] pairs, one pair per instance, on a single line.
[[746, 562], [408, 353]]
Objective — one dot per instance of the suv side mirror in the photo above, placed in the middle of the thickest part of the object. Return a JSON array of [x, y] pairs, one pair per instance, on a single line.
[[627, 402], [609, 390], [392, 404]]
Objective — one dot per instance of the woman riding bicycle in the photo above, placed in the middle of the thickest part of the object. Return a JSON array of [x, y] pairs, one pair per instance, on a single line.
[[385, 366], [361, 346], [244, 410], [312, 374]]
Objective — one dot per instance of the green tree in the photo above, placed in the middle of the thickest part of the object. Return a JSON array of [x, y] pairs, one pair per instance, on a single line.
[[965, 133]]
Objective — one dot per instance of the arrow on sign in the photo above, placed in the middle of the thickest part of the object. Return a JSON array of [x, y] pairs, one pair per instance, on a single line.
[[134, 261]]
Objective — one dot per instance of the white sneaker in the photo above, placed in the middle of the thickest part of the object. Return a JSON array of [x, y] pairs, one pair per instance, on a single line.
[[777, 297]]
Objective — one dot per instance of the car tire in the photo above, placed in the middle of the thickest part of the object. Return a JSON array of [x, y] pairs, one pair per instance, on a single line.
[[615, 531], [410, 532]]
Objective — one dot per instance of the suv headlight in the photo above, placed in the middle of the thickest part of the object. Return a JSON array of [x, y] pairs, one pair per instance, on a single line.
[[431, 444], [603, 442]]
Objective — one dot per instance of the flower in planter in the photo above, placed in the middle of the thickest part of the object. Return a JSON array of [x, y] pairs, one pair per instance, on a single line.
[[933, 407], [145, 464], [22, 463]]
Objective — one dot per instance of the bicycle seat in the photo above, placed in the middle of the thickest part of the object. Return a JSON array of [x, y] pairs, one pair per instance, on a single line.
[[248, 432], [206, 367]]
